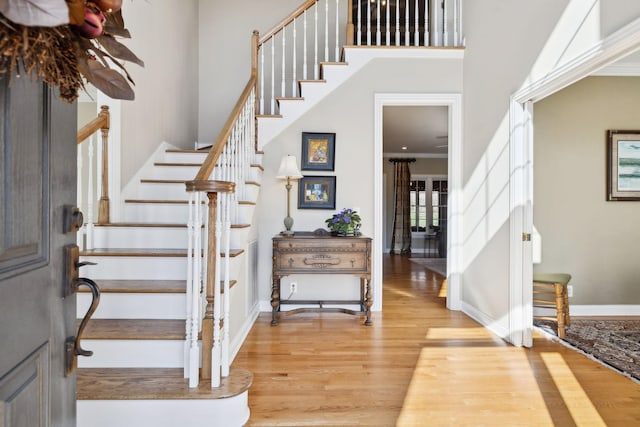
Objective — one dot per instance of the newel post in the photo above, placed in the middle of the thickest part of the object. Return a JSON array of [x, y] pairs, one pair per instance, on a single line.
[[103, 206], [209, 315]]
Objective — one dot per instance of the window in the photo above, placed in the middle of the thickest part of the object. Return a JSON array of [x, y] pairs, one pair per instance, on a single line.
[[428, 200]]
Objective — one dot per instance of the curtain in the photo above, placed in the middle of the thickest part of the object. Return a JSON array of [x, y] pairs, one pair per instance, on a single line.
[[401, 235]]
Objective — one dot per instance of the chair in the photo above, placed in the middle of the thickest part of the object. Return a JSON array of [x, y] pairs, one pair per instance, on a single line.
[[550, 291]]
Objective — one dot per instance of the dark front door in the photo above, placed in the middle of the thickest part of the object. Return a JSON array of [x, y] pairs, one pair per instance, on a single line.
[[37, 179]]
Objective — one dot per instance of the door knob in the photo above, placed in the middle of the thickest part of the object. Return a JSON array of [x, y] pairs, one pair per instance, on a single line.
[[73, 219]]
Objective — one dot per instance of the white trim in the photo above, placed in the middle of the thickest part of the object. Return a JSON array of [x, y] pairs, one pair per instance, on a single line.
[[240, 337], [630, 69], [418, 155], [604, 310], [614, 47], [485, 320], [454, 221]]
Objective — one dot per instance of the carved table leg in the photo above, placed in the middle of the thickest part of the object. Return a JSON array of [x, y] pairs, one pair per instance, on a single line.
[[275, 300], [368, 302]]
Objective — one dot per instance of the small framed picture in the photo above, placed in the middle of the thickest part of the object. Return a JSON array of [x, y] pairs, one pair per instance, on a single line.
[[623, 165], [318, 151], [317, 192]]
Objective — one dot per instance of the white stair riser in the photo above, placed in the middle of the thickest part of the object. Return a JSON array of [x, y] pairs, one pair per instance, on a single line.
[[186, 173], [239, 237], [134, 306], [245, 213], [229, 412], [161, 191], [251, 192], [142, 268], [133, 354], [140, 237], [173, 157], [174, 213], [135, 268]]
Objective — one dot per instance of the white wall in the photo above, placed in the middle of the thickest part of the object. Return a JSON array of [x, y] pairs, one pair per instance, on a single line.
[[164, 34], [583, 234], [349, 113], [225, 53], [510, 45]]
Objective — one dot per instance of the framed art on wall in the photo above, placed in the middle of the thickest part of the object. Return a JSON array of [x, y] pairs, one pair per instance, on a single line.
[[623, 165], [318, 151], [317, 192]]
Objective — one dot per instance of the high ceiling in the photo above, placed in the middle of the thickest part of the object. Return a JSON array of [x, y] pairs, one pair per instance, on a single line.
[[423, 129]]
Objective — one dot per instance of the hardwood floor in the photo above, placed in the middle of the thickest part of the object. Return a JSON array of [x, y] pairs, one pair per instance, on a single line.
[[422, 365]]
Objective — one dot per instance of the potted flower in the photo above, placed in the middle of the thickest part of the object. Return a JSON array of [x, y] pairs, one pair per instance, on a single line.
[[344, 223]]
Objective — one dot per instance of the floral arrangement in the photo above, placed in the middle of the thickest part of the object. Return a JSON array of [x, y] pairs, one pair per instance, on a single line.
[[62, 41], [345, 222]]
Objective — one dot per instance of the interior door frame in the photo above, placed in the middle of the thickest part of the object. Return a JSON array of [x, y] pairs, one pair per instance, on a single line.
[[614, 47], [454, 209]]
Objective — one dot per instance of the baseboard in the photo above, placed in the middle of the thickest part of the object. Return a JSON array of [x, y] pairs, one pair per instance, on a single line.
[[485, 320], [241, 336], [604, 310]]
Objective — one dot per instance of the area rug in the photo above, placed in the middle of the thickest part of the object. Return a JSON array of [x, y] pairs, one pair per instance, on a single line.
[[613, 342], [437, 265]]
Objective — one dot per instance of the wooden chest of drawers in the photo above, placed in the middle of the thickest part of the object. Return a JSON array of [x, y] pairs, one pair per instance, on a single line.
[[306, 253]]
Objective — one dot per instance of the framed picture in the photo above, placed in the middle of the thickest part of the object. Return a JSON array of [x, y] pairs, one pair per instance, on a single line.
[[317, 192], [623, 165], [318, 151]]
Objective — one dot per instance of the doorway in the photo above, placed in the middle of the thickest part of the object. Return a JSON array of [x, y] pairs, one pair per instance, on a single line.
[[452, 102]]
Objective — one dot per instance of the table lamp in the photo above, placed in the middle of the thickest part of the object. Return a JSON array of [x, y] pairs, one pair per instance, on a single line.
[[288, 170]]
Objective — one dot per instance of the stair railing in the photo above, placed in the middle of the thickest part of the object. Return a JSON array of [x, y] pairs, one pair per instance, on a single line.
[[315, 32], [100, 123], [213, 207]]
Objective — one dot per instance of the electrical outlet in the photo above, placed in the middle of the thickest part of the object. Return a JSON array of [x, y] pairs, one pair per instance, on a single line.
[[569, 291], [293, 287]]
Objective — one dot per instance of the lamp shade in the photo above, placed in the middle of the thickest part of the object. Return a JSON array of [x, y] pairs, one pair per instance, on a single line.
[[288, 168]]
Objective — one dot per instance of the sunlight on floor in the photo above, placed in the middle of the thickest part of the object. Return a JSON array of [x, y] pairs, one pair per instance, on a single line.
[[443, 289], [477, 383], [574, 396]]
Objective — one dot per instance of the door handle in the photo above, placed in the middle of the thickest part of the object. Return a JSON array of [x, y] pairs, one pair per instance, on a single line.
[[73, 348]]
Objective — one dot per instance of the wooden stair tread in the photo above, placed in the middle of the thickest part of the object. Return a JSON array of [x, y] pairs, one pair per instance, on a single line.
[[256, 165], [163, 181], [177, 164], [154, 384], [144, 286], [178, 150], [140, 286], [268, 116], [140, 224], [146, 252], [135, 329]]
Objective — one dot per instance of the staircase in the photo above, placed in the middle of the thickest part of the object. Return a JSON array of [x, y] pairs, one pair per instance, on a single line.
[[136, 375]]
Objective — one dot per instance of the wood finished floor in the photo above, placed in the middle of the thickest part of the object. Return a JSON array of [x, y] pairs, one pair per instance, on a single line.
[[422, 365]]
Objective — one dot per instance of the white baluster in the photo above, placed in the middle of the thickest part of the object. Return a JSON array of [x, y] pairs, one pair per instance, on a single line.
[[227, 293], [378, 23], [426, 23], [368, 23], [90, 193], [445, 24], [294, 81], [217, 348], [337, 30], [284, 42], [304, 46], [262, 79], [416, 31], [406, 23], [189, 309], [435, 21], [326, 31], [398, 22], [316, 64], [79, 198], [273, 75], [388, 34], [359, 42], [456, 22]]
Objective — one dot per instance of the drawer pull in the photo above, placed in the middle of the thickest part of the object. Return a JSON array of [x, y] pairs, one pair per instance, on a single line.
[[290, 261], [321, 261], [353, 263]]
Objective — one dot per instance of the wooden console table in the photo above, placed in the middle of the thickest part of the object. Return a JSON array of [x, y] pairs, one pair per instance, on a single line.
[[307, 253]]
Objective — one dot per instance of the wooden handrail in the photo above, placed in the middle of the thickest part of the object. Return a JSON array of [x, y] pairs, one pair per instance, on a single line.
[[101, 123], [286, 21], [214, 153]]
